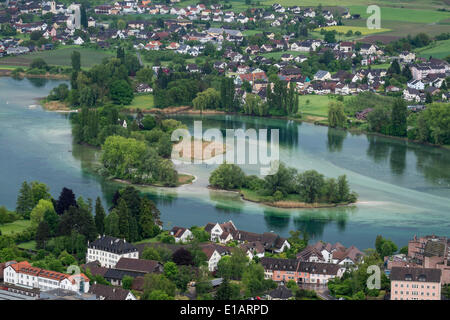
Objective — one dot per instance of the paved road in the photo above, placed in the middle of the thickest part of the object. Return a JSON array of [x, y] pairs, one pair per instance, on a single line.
[[138, 54]]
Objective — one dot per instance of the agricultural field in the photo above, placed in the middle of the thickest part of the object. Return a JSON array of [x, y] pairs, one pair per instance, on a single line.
[[403, 14], [143, 102], [344, 29], [60, 57], [439, 50], [404, 21], [402, 17], [417, 4], [15, 227]]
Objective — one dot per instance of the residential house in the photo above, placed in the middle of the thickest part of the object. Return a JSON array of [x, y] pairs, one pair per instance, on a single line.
[[407, 57], [181, 234], [346, 46], [416, 84], [411, 94], [104, 292], [367, 49], [322, 75], [280, 293], [284, 270], [212, 257], [221, 232]]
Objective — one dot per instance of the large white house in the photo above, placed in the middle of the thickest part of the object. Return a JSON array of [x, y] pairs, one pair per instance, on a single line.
[[22, 274], [108, 251]]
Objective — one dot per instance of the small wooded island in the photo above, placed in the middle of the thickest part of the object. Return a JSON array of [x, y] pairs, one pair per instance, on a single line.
[[286, 188], [134, 150]]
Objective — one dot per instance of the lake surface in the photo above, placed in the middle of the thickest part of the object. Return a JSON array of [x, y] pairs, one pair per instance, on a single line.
[[404, 188]]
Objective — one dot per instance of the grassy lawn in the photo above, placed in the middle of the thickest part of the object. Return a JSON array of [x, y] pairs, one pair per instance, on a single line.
[[4, 67], [251, 32], [277, 55], [60, 57], [316, 107], [30, 245], [254, 196], [439, 49], [143, 102], [150, 240], [377, 66], [15, 227]]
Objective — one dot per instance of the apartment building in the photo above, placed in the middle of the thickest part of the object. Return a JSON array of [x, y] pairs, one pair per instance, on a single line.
[[415, 283]]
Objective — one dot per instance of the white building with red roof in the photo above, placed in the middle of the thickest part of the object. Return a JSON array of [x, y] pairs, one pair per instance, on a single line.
[[22, 274]]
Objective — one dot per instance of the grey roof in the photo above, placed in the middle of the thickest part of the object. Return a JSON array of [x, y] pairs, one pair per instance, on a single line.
[[216, 282], [64, 294], [108, 292], [281, 292], [320, 73], [415, 274], [115, 274], [111, 244]]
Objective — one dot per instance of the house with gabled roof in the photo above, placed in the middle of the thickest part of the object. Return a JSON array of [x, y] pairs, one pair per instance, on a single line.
[[181, 234], [22, 274], [104, 292]]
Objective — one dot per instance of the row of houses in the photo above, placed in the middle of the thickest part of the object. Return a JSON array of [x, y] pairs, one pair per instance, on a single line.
[[284, 270], [226, 232]]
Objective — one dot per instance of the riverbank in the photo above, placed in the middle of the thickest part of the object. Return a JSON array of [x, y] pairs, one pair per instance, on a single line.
[[56, 106], [183, 179], [9, 73]]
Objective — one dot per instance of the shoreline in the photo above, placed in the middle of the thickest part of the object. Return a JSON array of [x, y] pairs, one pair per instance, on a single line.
[[191, 180], [311, 121], [8, 73], [286, 204], [54, 106], [188, 110]]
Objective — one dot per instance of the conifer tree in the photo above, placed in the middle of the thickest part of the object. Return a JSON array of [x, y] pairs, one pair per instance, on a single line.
[[112, 224], [24, 203], [124, 220], [66, 199], [99, 217]]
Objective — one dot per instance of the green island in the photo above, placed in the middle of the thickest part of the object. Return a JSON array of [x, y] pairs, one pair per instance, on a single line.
[[286, 188]]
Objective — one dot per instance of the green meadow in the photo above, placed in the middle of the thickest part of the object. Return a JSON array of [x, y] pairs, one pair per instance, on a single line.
[[60, 57], [438, 49], [143, 102], [15, 227]]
